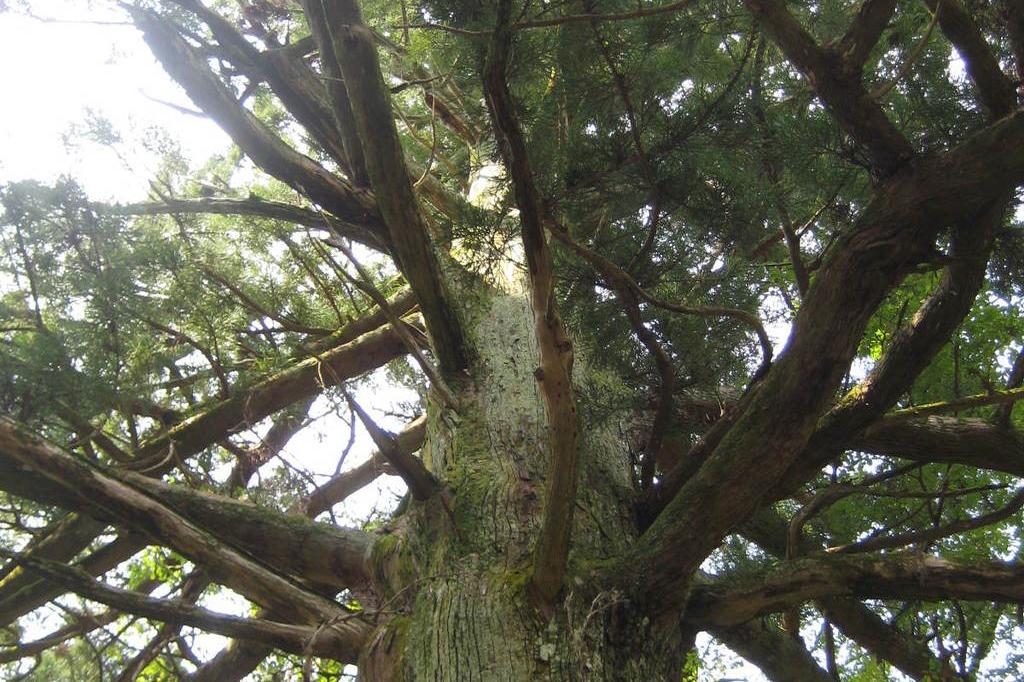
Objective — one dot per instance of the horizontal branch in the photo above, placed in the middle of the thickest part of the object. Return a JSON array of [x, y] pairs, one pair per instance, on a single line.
[[948, 440], [728, 601], [252, 206], [856, 620], [931, 534]]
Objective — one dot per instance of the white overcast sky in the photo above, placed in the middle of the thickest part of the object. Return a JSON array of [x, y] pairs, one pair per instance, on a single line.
[[55, 72]]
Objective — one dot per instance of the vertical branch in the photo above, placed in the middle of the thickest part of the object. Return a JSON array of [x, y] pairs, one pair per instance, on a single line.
[[556, 353], [356, 55], [341, 104]]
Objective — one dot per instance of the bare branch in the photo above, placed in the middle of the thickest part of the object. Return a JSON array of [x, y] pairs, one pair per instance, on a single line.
[[421, 482], [344, 484], [929, 535]]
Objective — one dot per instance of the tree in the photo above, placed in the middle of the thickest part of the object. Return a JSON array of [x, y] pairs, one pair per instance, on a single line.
[[568, 226]]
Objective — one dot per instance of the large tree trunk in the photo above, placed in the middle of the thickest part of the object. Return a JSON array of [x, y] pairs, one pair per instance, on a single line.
[[456, 567]]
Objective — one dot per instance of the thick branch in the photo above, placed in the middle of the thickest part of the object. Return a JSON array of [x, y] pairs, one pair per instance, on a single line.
[[839, 88], [779, 656], [130, 506], [302, 380], [777, 423], [293, 82], [291, 544], [854, 619], [913, 348], [341, 104], [995, 90], [864, 32], [556, 353], [894, 576], [355, 52]]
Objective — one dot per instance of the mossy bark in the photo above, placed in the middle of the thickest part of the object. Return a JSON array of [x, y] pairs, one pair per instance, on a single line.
[[456, 577]]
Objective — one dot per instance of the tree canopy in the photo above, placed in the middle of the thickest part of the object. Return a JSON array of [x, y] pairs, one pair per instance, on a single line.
[[711, 312]]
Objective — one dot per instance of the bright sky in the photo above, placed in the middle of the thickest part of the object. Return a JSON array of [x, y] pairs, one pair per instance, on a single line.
[[57, 75]]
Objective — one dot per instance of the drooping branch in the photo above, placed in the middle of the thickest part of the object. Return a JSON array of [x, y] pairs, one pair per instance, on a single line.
[[884, 640], [556, 352], [355, 53], [82, 622], [234, 662], [191, 590], [365, 284], [729, 601], [285, 426], [351, 351], [341, 639]]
